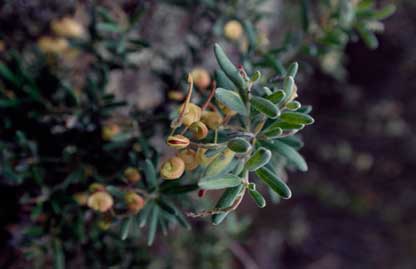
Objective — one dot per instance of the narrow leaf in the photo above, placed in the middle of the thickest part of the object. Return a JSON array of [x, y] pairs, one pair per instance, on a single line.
[[258, 198], [296, 118], [265, 106], [226, 200], [232, 100], [288, 152], [219, 182], [260, 158], [274, 182], [227, 66]]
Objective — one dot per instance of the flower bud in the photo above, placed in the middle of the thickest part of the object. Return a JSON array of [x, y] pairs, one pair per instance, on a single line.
[[94, 187], [199, 130], [67, 27], [173, 168], [212, 119], [176, 95], [100, 201], [134, 202], [189, 158], [53, 45], [178, 141], [191, 115], [110, 130], [201, 78], [81, 198], [233, 30], [132, 175]]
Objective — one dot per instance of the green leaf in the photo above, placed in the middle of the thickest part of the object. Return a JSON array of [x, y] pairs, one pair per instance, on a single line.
[[172, 187], [293, 69], [256, 76], [276, 97], [251, 34], [288, 152], [220, 163], [294, 105], [239, 145], [260, 158], [165, 205], [227, 66], [385, 12], [258, 198], [219, 182], [265, 106], [367, 36], [296, 118], [288, 84], [232, 100], [150, 174], [274, 182], [125, 227], [154, 219], [284, 126], [273, 132], [226, 200], [8, 75], [58, 255], [223, 81]]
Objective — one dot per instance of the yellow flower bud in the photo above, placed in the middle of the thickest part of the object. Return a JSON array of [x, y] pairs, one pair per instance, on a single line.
[[201, 78], [132, 175], [173, 168], [176, 95], [53, 45], [134, 202], [2, 45], [100, 201], [81, 198], [178, 141], [199, 130], [189, 158], [233, 30], [191, 115], [94, 187], [110, 130], [67, 27], [212, 119]]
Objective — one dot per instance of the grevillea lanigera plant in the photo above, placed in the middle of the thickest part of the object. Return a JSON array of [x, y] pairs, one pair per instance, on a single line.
[[242, 129], [241, 133]]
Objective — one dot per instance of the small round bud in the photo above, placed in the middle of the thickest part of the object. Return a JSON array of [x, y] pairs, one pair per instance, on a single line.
[[176, 95], [94, 187], [53, 45], [191, 115], [100, 201], [132, 175], [189, 158], [199, 130], [173, 168], [110, 130], [67, 27], [81, 198], [233, 30], [178, 141], [201, 78], [134, 202], [212, 119]]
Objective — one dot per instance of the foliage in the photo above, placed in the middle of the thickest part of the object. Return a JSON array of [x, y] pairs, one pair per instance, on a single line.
[[83, 159]]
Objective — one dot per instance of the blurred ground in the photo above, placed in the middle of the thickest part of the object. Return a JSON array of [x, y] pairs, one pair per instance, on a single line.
[[355, 208]]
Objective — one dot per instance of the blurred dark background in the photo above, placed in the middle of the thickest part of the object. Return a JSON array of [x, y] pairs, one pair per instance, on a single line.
[[356, 206]]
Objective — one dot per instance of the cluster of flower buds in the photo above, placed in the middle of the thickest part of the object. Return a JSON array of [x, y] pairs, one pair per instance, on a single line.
[[196, 123], [62, 29]]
